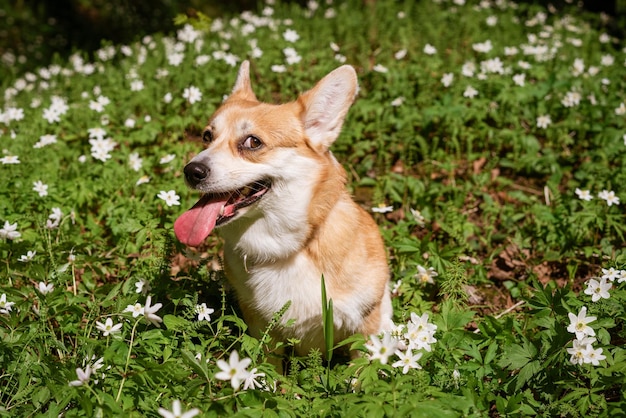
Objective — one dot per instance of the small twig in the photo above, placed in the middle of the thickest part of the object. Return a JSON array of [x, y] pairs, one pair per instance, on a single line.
[[510, 309], [506, 311]]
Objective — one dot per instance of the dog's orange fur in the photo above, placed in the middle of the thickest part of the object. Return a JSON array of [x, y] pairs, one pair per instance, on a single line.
[[273, 257]]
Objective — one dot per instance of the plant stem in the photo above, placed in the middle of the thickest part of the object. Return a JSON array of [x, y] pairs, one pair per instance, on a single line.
[[130, 349]]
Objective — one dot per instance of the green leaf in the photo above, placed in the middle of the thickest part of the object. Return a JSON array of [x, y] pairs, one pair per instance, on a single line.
[[175, 323]]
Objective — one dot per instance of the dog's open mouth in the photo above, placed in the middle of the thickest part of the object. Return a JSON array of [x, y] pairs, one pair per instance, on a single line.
[[214, 209]]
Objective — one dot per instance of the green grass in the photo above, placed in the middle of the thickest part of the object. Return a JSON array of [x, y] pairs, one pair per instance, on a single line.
[[498, 218]]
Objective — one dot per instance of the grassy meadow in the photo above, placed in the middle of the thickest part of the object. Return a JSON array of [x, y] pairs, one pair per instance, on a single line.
[[488, 140]]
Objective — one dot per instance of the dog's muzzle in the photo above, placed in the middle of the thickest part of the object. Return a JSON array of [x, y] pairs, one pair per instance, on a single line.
[[195, 173]]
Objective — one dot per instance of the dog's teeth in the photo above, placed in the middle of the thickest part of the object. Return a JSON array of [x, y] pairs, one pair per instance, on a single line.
[[222, 210]]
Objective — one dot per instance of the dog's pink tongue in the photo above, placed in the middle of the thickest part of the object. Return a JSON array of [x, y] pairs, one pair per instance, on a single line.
[[192, 227]]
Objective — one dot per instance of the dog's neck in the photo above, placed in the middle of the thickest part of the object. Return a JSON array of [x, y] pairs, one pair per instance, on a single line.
[[278, 233]]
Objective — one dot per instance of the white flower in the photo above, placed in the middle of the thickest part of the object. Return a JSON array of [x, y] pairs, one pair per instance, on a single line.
[[177, 411], [621, 110], [609, 196], [578, 324], [571, 99], [188, 34], [426, 275], [99, 104], [142, 286], [278, 68], [142, 180], [400, 54], [170, 197], [491, 20], [167, 98], [251, 381], [420, 333], [611, 274], [447, 78], [167, 158], [96, 133], [135, 161], [510, 51], [136, 85], [234, 370], [27, 257], [192, 94], [5, 307], [45, 288], [40, 188], [45, 140], [175, 58], [101, 147], [417, 215], [382, 349], [108, 328], [379, 68], [136, 309], [83, 377], [397, 101], [9, 231], [150, 312], [470, 92], [396, 287], [593, 356], [468, 69], [578, 67], [407, 360], [494, 65], [607, 60], [203, 312], [483, 47], [598, 289], [381, 208], [129, 123], [10, 159], [583, 194], [291, 35], [580, 345], [51, 115], [429, 49], [291, 56], [202, 59], [421, 322], [544, 121], [519, 79], [54, 219]]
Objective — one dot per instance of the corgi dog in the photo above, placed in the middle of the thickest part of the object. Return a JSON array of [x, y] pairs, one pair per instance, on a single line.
[[278, 197]]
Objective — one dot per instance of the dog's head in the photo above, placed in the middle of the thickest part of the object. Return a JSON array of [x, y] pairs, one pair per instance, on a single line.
[[262, 158]]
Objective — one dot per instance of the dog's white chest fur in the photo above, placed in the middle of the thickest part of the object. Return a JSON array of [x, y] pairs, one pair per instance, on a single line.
[[278, 196]]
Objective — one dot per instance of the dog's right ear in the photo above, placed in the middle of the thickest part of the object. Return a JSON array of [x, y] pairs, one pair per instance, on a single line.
[[326, 104], [243, 88]]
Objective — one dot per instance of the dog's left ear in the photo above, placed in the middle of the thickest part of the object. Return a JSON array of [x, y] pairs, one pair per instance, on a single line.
[[242, 87], [326, 105]]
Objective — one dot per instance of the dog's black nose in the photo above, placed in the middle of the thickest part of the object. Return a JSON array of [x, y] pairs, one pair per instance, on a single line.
[[195, 173]]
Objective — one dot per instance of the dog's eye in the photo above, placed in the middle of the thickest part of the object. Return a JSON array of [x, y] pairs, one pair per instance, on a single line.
[[207, 136], [252, 143]]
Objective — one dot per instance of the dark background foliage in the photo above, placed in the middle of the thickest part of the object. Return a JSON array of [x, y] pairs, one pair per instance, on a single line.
[[37, 29]]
